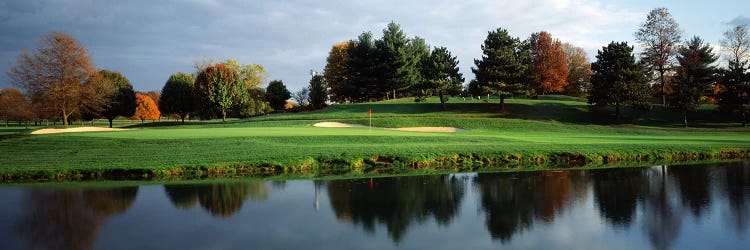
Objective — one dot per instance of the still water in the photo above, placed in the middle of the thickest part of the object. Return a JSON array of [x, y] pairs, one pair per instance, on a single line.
[[672, 207]]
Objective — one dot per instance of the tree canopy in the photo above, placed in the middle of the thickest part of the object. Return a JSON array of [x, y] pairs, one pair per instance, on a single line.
[[178, 95], [277, 94], [145, 108], [441, 74], [549, 65], [660, 37], [618, 80], [695, 76], [502, 70], [122, 102]]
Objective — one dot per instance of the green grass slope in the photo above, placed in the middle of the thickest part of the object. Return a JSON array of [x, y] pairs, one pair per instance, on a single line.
[[552, 131]]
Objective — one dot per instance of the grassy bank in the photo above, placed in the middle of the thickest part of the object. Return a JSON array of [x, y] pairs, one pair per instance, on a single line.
[[525, 136]]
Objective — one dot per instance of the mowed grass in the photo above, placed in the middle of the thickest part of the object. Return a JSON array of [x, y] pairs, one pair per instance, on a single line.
[[528, 127]]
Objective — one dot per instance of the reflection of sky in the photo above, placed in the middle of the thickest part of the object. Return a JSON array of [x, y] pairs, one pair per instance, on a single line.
[[288, 220]]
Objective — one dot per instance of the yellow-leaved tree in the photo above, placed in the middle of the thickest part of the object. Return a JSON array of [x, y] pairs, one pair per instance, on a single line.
[[145, 108]]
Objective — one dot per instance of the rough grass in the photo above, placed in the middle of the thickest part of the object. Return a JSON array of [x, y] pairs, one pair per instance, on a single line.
[[532, 133]]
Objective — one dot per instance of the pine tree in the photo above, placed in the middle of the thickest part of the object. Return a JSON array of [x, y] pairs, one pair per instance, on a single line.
[[361, 70], [317, 94], [734, 96], [396, 63], [441, 74], [503, 68], [695, 75], [618, 80]]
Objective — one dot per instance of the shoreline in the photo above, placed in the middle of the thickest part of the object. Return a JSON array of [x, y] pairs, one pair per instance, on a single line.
[[323, 167]]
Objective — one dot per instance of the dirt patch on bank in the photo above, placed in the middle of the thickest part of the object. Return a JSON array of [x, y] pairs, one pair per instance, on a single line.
[[75, 130], [410, 129]]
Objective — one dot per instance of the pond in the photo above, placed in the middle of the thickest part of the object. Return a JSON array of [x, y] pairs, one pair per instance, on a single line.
[[662, 207]]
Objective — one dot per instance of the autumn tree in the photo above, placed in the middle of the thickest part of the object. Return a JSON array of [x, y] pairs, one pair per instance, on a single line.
[[617, 80], [145, 108], [579, 70], [503, 68], [219, 89], [56, 77], [318, 94], [549, 65], [14, 106], [694, 77], [122, 101], [335, 71], [660, 37], [178, 95], [277, 94], [155, 96], [734, 96], [442, 76], [251, 75]]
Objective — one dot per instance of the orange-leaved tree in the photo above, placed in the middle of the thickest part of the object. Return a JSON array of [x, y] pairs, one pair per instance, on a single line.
[[549, 65], [145, 108]]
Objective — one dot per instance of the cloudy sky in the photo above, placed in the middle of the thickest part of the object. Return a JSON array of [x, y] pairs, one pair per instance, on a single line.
[[148, 40]]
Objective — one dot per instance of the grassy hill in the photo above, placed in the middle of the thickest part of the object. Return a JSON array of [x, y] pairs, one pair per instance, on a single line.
[[551, 131]]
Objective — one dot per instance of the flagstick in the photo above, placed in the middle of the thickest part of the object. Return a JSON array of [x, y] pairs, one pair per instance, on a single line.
[[370, 113]]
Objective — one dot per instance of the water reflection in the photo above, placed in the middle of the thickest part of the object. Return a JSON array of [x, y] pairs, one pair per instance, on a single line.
[[396, 202], [69, 219], [512, 202], [222, 200], [666, 205]]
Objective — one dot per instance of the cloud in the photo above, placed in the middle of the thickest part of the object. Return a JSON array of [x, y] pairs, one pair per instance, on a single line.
[[740, 20], [149, 40]]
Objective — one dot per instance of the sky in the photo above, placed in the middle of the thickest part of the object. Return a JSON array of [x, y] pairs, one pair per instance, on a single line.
[[149, 40]]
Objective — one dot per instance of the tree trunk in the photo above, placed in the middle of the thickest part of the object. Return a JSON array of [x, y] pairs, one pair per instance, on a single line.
[[684, 118], [442, 101], [223, 116], [143, 121], [502, 102], [65, 119], [110, 122], [663, 95], [744, 119], [182, 116], [394, 93]]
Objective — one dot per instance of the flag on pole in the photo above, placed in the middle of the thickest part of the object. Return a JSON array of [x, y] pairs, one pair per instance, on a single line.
[[369, 111]]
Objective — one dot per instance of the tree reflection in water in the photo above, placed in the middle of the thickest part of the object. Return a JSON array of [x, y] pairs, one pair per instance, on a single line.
[[512, 202], [220, 199], [396, 202], [69, 219]]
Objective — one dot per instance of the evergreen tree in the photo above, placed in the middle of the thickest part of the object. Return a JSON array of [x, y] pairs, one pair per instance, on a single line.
[[735, 80], [361, 70], [277, 94], [694, 76], [618, 80], [396, 63], [318, 95], [503, 69], [441, 74], [420, 51]]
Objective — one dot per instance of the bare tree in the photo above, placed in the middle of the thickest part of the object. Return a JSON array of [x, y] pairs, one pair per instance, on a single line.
[[58, 77], [302, 96], [736, 43], [660, 36]]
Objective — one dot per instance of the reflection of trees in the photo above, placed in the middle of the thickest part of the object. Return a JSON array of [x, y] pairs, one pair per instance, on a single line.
[[694, 185], [396, 202], [736, 180], [69, 219], [512, 201], [617, 191], [662, 218], [221, 199]]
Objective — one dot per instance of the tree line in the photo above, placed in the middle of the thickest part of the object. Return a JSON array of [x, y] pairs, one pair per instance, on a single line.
[[681, 74], [58, 82]]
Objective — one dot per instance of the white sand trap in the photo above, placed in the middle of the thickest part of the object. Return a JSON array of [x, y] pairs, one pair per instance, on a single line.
[[74, 130], [411, 129], [336, 125], [430, 129]]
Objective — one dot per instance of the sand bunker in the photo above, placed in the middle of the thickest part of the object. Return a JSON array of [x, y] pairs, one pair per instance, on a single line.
[[74, 130], [411, 129], [336, 125]]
